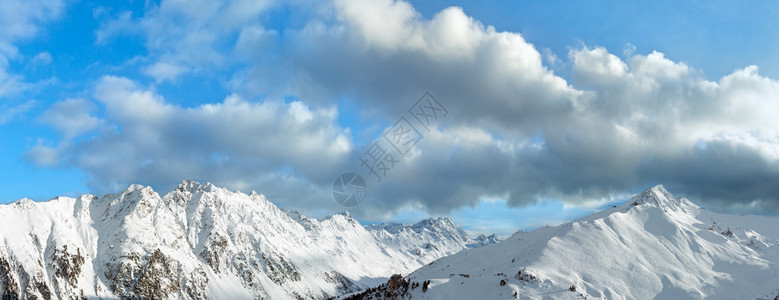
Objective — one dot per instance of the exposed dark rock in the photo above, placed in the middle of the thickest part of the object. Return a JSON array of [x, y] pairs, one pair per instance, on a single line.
[[37, 286], [345, 285], [9, 288], [195, 284], [154, 277], [278, 269], [214, 249], [67, 266]]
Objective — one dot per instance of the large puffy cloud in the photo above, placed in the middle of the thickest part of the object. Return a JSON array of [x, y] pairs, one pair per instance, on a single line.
[[515, 130], [714, 141], [618, 126], [385, 54], [500, 96], [636, 123], [281, 149]]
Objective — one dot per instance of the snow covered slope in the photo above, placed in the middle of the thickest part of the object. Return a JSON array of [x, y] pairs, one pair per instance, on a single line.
[[201, 241], [652, 246]]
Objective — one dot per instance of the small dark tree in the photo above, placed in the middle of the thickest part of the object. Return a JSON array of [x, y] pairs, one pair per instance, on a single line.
[[572, 288]]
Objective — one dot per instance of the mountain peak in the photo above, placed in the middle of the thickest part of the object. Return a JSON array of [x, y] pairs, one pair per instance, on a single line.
[[483, 240], [24, 202], [194, 186], [656, 196], [440, 222], [135, 191], [134, 187]]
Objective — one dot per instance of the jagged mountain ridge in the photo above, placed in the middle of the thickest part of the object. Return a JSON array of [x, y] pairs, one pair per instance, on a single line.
[[653, 246], [200, 241], [427, 237]]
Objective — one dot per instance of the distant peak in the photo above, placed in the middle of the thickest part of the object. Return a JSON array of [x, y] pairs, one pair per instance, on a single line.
[[483, 240], [439, 220], [438, 224], [435, 224], [392, 227], [484, 236]]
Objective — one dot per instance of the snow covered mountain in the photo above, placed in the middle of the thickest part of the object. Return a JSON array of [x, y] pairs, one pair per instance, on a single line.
[[202, 241], [652, 246], [428, 238]]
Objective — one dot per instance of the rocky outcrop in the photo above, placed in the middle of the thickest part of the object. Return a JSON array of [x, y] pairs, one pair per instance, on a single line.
[[154, 276], [9, 287]]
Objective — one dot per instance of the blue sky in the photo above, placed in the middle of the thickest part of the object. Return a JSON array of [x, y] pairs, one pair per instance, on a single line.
[[556, 108]]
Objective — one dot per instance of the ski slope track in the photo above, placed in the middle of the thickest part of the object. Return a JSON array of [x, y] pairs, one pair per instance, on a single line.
[[201, 241], [654, 246]]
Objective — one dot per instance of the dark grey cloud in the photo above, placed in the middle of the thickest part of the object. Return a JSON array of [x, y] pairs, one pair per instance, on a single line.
[[722, 175]]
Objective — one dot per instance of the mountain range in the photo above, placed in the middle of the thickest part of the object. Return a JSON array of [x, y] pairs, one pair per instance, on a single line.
[[201, 241], [653, 246]]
